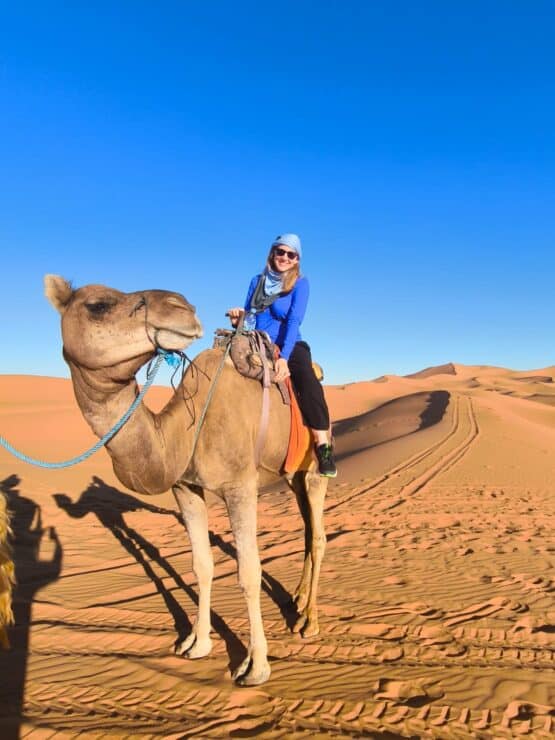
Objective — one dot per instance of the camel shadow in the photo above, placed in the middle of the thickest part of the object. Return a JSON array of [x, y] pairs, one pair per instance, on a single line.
[[32, 572], [109, 505]]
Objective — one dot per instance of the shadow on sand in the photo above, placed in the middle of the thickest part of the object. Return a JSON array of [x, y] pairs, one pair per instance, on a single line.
[[32, 573], [110, 505], [374, 430]]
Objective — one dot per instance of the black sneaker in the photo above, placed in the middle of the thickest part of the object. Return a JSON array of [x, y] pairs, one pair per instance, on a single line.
[[326, 461]]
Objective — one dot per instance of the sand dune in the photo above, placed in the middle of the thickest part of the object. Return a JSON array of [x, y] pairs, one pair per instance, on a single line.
[[437, 594], [448, 369]]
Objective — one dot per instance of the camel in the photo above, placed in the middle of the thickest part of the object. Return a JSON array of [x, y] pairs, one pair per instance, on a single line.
[[107, 337]]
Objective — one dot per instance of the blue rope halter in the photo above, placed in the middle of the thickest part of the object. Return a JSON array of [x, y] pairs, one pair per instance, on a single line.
[[150, 375]]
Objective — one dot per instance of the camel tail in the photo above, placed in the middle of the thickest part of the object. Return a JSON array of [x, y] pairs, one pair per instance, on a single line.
[[6, 574]]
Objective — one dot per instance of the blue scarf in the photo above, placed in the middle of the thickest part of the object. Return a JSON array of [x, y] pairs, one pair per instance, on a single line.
[[267, 290], [272, 283]]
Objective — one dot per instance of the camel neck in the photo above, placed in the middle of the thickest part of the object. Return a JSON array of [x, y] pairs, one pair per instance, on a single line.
[[147, 455], [101, 400]]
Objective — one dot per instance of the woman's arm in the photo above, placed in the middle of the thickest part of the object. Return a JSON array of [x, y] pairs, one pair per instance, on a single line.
[[295, 316]]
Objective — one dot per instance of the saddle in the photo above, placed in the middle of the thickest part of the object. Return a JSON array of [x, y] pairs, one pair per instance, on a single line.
[[254, 355]]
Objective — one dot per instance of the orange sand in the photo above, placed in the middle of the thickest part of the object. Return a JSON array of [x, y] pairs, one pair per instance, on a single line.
[[436, 598]]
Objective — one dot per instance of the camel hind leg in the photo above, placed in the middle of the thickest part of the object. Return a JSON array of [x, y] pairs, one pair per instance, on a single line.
[[297, 483], [310, 490], [193, 508]]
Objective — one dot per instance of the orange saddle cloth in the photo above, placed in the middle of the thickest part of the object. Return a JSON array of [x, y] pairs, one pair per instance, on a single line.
[[299, 436]]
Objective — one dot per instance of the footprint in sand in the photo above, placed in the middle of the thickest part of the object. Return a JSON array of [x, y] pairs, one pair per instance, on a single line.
[[380, 631], [534, 583], [433, 635], [394, 581], [390, 654], [413, 693], [531, 624], [422, 609], [464, 551], [519, 718]]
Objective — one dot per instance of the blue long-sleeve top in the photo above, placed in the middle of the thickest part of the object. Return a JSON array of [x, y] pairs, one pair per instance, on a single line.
[[283, 318]]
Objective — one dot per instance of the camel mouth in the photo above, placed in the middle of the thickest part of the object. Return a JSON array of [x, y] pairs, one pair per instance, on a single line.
[[189, 333], [173, 340]]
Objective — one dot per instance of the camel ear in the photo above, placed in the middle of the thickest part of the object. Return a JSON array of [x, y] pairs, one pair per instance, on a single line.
[[58, 291]]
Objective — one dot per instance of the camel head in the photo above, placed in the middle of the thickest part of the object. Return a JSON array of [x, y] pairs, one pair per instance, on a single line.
[[105, 328]]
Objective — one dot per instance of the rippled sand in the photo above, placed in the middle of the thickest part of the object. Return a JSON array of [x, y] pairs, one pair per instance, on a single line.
[[437, 598]]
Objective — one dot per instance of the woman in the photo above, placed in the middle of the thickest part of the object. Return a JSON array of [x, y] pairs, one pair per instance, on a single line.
[[276, 303]]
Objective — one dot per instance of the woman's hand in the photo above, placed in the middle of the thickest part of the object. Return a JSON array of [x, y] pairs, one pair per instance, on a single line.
[[282, 370], [234, 315]]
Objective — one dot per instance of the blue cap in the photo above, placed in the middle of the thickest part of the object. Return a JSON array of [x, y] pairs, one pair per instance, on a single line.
[[289, 240]]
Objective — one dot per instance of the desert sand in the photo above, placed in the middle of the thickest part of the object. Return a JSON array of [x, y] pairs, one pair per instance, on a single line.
[[436, 597]]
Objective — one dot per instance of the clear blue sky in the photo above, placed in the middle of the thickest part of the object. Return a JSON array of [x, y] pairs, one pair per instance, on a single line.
[[164, 145]]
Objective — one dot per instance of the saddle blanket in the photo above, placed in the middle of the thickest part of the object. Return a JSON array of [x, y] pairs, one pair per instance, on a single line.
[[299, 452]]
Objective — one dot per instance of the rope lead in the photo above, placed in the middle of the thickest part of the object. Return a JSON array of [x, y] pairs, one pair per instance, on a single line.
[[150, 375]]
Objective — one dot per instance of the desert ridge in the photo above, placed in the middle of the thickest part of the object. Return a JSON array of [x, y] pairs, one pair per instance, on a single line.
[[436, 594]]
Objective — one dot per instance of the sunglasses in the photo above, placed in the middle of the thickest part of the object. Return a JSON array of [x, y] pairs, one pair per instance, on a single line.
[[285, 253]]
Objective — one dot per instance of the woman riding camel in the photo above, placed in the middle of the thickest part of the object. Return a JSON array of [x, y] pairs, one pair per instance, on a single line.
[[276, 303]]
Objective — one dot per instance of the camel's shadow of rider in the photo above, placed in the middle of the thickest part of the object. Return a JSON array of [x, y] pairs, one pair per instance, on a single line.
[[33, 571]]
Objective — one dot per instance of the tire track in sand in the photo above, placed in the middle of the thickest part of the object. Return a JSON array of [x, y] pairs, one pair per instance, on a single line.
[[370, 643], [450, 459], [403, 708], [176, 701]]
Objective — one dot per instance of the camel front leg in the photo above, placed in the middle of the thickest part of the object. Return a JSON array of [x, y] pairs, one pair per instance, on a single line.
[[193, 508], [241, 506], [315, 546]]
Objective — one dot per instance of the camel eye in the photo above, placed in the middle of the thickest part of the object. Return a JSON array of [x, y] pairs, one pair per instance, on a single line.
[[98, 308]]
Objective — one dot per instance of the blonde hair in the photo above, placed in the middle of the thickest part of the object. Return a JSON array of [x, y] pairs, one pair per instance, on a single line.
[[289, 278]]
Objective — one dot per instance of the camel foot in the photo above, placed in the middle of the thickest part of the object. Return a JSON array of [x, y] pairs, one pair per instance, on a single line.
[[306, 626], [299, 624], [191, 647], [311, 630], [247, 675]]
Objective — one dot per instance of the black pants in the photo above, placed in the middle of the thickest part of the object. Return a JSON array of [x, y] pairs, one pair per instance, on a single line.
[[308, 388]]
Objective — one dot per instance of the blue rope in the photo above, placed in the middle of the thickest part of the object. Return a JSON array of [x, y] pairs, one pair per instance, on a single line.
[[150, 375], [208, 399]]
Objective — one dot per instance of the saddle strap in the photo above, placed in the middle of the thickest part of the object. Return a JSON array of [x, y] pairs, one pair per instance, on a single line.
[[265, 411]]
